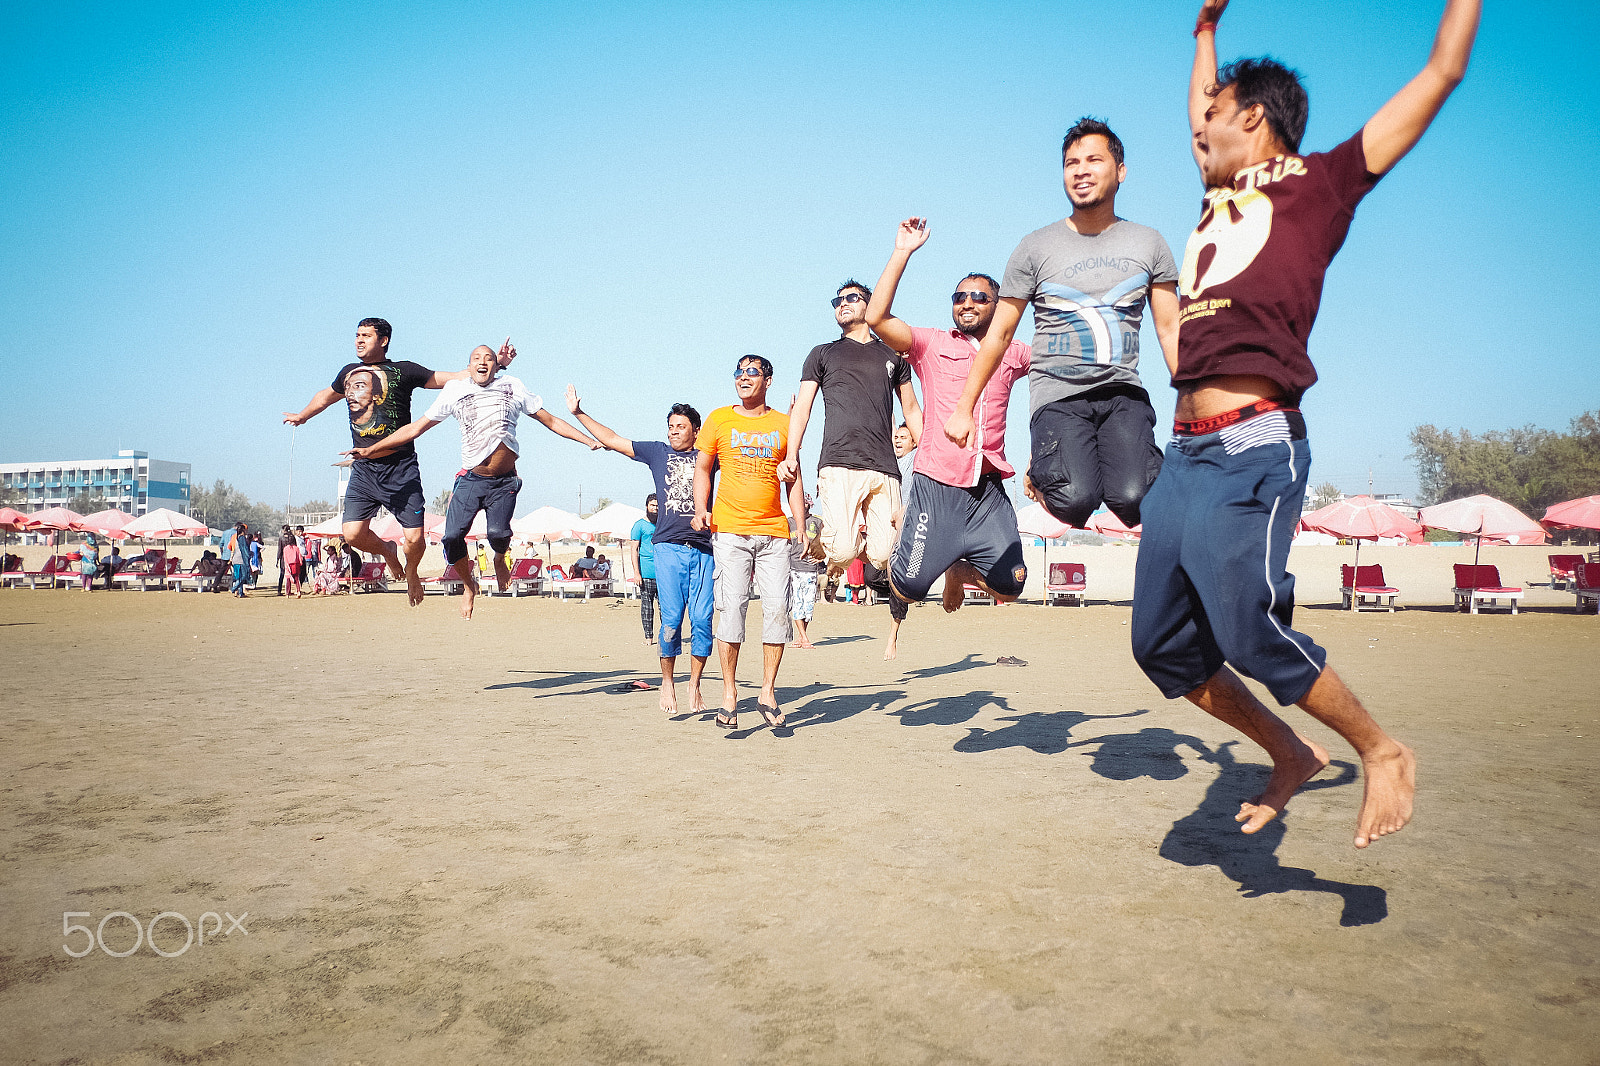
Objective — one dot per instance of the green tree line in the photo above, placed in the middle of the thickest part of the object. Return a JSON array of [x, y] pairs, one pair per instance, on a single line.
[[1529, 468]]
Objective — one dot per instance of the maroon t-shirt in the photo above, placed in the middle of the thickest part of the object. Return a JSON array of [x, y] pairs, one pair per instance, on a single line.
[[1252, 271]]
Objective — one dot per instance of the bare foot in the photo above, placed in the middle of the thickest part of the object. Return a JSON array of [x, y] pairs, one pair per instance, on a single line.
[[414, 592], [891, 651], [469, 593], [502, 573], [1287, 777], [669, 699], [397, 569], [697, 705], [1386, 804], [767, 704], [955, 581]]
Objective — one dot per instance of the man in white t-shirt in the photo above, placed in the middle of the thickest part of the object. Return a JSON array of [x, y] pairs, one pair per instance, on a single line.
[[486, 404]]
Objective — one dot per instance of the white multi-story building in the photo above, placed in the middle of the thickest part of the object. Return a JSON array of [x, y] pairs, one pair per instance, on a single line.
[[132, 482]]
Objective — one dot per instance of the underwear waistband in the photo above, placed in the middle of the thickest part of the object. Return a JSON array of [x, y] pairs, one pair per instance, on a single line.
[[1199, 427]]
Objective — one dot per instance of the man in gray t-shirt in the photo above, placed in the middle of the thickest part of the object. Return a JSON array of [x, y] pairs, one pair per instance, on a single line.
[[1088, 278]]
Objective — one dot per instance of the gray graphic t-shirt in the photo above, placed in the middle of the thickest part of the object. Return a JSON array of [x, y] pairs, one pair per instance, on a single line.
[[1088, 296]]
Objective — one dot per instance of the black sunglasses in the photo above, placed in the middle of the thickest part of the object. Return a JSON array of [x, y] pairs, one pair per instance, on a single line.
[[975, 297], [848, 298], [748, 372]]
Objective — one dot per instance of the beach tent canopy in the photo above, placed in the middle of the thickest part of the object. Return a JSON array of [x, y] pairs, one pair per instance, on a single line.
[[53, 518], [163, 523], [1361, 518], [1483, 517], [1574, 514], [550, 523], [614, 521]]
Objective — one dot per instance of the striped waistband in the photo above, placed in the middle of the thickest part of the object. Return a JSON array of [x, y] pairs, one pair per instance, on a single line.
[[1199, 427]]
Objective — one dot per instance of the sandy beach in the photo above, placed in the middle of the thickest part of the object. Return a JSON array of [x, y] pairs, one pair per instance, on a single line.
[[455, 842]]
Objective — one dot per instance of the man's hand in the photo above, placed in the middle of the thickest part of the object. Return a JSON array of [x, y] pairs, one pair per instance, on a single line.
[[958, 428], [507, 353], [361, 453], [1028, 488], [574, 404], [701, 521], [1210, 11], [293, 419], [788, 469], [912, 234]]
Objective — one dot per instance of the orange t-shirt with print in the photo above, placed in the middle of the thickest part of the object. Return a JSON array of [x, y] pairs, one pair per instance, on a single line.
[[747, 451]]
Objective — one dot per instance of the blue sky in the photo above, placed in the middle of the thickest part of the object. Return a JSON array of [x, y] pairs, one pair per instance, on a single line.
[[202, 200]]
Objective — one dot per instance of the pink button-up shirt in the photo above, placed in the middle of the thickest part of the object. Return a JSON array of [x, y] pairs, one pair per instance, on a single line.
[[941, 358]]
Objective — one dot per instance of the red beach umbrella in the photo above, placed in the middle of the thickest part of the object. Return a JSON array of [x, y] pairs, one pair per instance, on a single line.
[[58, 518], [1574, 514], [108, 523], [12, 520]]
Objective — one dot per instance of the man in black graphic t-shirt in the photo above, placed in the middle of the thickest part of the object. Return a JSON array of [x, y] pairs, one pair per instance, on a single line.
[[378, 391]]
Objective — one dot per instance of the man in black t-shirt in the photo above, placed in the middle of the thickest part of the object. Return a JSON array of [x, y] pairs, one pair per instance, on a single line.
[[378, 391], [858, 477]]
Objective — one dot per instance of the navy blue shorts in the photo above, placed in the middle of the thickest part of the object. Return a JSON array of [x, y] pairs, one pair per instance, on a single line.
[[1210, 585], [944, 524], [496, 497], [375, 484]]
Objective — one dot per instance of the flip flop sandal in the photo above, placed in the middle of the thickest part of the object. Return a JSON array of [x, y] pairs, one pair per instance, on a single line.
[[634, 686], [728, 720], [774, 718], [1010, 660]]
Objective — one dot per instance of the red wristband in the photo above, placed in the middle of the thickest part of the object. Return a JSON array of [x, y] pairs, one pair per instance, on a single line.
[[1212, 26]]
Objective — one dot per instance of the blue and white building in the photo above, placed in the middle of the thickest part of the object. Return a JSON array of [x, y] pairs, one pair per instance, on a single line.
[[131, 482]]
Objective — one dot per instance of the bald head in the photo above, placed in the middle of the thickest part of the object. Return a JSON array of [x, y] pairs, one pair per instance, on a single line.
[[483, 364]]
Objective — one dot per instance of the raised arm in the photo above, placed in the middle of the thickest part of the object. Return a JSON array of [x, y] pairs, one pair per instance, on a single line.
[[440, 378], [562, 428], [319, 403], [1203, 75], [608, 437], [1002, 329], [1164, 313], [1400, 123], [404, 435], [912, 234], [799, 416]]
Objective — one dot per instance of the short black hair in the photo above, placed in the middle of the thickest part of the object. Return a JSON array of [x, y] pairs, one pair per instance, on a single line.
[[1276, 88], [687, 412], [1088, 127], [377, 324], [648, 500], [852, 283], [994, 286], [761, 361]]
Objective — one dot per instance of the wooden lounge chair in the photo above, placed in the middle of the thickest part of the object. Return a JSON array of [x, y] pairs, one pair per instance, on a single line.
[[1479, 586], [33, 578], [1066, 583], [1586, 586], [1363, 588], [526, 577], [1563, 570]]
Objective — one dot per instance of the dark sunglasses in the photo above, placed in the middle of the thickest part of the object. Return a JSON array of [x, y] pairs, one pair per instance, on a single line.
[[975, 297], [748, 372], [848, 298]]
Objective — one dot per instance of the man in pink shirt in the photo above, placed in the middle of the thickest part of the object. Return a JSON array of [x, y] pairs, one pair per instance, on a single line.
[[958, 520]]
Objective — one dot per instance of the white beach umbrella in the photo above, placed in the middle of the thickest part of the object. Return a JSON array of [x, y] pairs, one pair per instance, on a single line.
[[614, 521], [550, 523]]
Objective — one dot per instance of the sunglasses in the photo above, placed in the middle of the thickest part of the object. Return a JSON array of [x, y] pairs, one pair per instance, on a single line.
[[748, 372], [976, 297], [848, 298]]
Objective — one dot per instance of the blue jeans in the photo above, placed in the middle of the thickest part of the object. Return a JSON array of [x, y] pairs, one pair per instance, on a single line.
[[238, 579], [496, 497], [683, 586]]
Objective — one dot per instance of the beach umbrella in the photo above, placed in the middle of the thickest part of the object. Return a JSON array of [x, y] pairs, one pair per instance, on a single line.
[[1574, 514], [109, 523], [331, 527], [11, 519], [1483, 516], [1109, 525], [386, 527], [57, 518], [1035, 521], [615, 521], [163, 523], [1361, 518], [548, 524]]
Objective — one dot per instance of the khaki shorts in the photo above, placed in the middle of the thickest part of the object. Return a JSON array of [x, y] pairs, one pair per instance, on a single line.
[[846, 499], [743, 562]]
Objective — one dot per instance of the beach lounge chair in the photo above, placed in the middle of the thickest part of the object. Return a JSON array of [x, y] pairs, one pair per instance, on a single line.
[[1562, 570], [1479, 586], [974, 594], [1065, 583], [563, 586], [627, 585], [1363, 588], [374, 577], [151, 575], [448, 583], [1586, 586], [202, 576], [526, 578], [32, 578]]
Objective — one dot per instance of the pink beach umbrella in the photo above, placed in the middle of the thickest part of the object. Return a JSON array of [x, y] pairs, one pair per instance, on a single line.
[[1109, 525], [57, 518], [163, 523], [388, 528], [1035, 521], [1361, 518], [12, 520], [1574, 514], [108, 523], [1483, 516]]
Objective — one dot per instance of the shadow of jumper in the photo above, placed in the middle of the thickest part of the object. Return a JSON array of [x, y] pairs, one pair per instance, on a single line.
[[1211, 837]]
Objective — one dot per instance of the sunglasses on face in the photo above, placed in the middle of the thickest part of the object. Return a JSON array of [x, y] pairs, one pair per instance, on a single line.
[[848, 298], [748, 372], [976, 297]]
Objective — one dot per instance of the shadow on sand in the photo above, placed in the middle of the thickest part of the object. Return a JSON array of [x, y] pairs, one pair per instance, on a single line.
[[561, 682]]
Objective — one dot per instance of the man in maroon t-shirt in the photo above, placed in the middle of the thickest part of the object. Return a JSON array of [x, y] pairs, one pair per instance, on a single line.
[[1211, 589]]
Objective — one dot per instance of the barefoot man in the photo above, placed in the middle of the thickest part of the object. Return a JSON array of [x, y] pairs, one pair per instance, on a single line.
[[682, 553], [486, 405], [1210, 586], [958, 520], [378, 392]]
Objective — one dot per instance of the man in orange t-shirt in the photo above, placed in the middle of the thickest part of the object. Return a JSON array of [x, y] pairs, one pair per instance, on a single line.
[[749, 533]]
